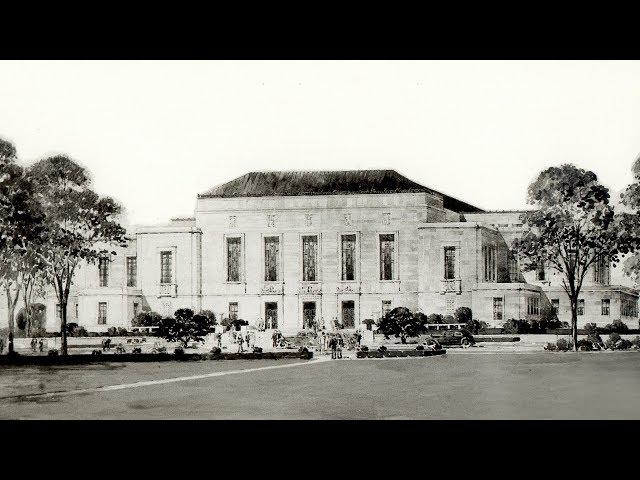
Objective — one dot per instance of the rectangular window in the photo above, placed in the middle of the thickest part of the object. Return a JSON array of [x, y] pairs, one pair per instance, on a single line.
[[580, 309], [449, 263], [166, 273], [387, 254], [308, 314], [233, 310], [497, 308], [271, 314], [601, 271], [132, 271], [533, 306], [310, 258], [234, 256], [136, 309], [513, 267], [555, 303], [629, 307], [271, 258], [103, 270], [386, 307], [348, 314], [348, 249], [540, 272], [489, 256], [102, 313], [606, 306]]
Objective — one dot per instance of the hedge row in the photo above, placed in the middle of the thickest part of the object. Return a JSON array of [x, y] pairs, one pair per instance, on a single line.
[[398, 353], [146, 357]]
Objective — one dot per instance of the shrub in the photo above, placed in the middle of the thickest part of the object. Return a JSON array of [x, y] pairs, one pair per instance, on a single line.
[[448, 319], [364, 348], [96, 352], [400, 322], [591, 328], [369, 322], [52, 353], [596, 341], [136, 350], [178, 351], [463, 315], [303, 350], [474, 326], [434, 319], [218, 351], [515, 326], [419, 347], [614, 337], [636, 342], [563, 345], [585, 345], [551, 347], [382, 348], [616, 327], [122, 331], [256, 349], [112, 331]]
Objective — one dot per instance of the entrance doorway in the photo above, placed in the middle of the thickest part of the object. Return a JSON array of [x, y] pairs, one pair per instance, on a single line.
[[271, 314], [348, 314], [308, 314]]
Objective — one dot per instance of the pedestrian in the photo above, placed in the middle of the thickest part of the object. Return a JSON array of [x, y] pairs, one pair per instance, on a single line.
[[1, 345], [333, 344], [274, 338], [340, 345], [240, 343]]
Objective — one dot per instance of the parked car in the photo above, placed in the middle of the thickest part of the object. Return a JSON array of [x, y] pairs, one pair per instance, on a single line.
[[453, 337]]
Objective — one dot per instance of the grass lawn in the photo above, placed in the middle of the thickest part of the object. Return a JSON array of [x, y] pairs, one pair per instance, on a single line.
[[540, 385]]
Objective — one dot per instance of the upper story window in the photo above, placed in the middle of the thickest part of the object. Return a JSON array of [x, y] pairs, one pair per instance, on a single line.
[[540, 271], [601, 271], [310, 258], [103, 271], [348, 256], [387, 256], [489, 259], [166, 267], [449, 263], [234, 258], [132, 271], [580, 306], [271, 258], [514, 271], [606, 306]]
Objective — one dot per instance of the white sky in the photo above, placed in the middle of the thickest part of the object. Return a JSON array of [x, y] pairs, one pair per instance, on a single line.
[[154, 134]]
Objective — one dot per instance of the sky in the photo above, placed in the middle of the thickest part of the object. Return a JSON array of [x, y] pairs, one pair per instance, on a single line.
[[153, 134]]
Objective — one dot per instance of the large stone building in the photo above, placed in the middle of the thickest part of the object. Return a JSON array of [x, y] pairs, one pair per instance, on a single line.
[[288, 248]]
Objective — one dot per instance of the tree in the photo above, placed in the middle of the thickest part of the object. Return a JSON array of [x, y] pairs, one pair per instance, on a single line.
[[630, 223], [80, 225], [187, 327], [572, 227], [21, 227], [462, 314], [400, 322]]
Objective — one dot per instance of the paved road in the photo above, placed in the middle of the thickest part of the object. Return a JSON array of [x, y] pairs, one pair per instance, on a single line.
[[455, 386]]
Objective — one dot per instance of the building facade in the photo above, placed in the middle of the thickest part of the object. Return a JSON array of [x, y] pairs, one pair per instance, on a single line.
[[288, 250]]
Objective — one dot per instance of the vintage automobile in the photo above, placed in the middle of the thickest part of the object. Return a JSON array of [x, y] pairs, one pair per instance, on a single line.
[[453, 337]]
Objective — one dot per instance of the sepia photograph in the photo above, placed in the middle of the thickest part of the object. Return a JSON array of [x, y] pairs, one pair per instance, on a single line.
[[319, 239]]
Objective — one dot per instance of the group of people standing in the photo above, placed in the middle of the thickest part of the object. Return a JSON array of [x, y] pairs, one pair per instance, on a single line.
[[37, 345]]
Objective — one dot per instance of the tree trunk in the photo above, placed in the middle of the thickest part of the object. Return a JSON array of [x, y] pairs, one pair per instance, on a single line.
[[574, 323], [63, 327], [10, 321]]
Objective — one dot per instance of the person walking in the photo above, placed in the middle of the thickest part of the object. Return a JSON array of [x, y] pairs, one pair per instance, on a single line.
[[240, 343], [41, 345], [274, 338], [340, 345], [333, 344]]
